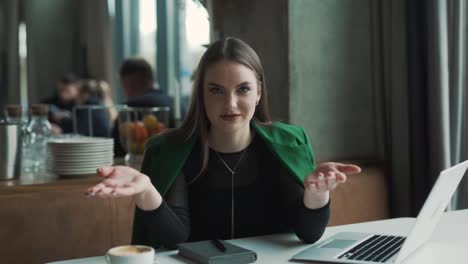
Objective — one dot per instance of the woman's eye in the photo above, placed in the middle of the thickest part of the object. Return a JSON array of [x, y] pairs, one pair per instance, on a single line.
[[215, 90], [244, 89]]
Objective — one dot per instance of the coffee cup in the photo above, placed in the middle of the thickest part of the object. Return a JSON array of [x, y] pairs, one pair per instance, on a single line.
[[130, 254]]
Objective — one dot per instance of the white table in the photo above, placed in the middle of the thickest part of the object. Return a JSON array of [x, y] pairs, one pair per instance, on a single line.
[[449, 240]]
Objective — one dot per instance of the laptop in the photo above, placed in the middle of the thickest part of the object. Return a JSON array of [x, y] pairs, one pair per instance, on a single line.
[[354, 247]]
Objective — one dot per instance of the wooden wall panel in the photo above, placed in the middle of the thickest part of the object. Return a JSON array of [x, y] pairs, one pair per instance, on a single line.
[[362, 198], [56, 225]]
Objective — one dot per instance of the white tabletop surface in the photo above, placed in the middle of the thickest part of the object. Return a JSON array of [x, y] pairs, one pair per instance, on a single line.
[[448, 241]]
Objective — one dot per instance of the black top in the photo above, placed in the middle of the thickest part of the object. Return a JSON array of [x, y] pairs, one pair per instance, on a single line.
[[152, 98], [99, 121], [266, 200], [59, 104]]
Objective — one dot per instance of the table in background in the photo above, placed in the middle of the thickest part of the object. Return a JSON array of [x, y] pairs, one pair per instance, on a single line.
[[449, 240]]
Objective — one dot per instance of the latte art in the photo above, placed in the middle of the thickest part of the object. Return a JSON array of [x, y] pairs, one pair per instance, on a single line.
[[128, 250]]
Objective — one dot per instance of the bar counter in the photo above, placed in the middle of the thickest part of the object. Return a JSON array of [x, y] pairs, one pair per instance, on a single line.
[[45, 182], [47, 218]]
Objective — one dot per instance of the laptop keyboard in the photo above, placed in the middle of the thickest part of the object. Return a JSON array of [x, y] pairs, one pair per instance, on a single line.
[[376, 248]]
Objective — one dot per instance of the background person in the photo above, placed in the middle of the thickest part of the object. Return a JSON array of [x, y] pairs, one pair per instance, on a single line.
[[62, 102], [137, 81], [89, 96], [104, 92]]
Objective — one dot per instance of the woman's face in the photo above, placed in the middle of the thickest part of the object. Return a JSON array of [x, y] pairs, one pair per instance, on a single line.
[[231, 92]]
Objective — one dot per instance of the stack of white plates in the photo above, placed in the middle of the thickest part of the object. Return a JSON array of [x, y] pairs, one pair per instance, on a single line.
[[78, 156]]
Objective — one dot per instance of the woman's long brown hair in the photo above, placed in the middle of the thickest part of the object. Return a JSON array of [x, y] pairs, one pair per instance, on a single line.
[[196, 122]]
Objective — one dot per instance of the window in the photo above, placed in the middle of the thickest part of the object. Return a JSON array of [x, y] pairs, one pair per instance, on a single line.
[[23, 65], [147, 30], [197, 36]]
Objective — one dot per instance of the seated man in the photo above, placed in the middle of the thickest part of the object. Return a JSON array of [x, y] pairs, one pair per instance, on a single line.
[[136, 77], [62, 102]]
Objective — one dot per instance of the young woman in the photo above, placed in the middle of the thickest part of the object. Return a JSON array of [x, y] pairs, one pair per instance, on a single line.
[[227, 171]]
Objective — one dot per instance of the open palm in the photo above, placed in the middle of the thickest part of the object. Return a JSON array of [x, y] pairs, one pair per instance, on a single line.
[[120, 181], [328, 175]]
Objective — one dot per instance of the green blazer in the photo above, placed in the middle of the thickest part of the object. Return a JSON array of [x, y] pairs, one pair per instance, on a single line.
[[163, 160]]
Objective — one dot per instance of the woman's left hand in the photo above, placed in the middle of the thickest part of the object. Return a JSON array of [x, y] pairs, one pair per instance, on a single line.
[[325, 178]]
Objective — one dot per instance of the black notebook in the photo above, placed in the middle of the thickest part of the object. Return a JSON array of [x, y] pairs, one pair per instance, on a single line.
[[207, 252]]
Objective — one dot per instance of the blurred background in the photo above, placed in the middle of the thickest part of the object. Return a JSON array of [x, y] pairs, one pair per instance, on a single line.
[[371, 81]]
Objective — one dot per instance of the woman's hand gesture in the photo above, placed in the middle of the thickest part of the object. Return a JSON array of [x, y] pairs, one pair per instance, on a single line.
[[120, 181], [328, 175], [324, 179], [125, 181]]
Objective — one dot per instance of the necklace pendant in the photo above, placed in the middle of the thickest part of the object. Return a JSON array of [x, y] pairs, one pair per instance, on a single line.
[[232, 171]]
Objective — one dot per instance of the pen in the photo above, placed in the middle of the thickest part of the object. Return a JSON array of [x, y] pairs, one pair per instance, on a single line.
[[219, 245]]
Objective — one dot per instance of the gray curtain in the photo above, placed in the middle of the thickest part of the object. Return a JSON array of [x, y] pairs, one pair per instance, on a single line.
[[392, 104], [458, 92], [52, 39], [63, 37], [447, 88], [9, 58], [419, 94], [96, 39]]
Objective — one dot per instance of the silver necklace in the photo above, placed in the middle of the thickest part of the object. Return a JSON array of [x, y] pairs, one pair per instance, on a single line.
[[232, 171]]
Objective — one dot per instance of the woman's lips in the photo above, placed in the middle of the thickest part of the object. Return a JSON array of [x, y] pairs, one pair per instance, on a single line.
[[230, 117]]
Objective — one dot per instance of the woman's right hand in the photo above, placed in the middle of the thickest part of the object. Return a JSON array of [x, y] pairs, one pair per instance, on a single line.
[[126, 181]]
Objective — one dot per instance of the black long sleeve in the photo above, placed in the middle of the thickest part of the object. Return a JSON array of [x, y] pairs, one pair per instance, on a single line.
[[167, 225], [302, 217]]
